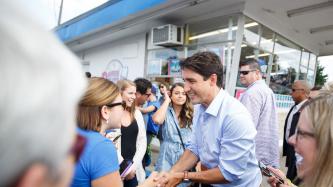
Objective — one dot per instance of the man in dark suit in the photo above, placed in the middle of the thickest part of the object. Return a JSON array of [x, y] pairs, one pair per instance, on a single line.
[[300, 93]]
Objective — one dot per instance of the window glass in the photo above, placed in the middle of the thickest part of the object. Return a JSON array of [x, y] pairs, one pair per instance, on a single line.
[[285, 65], [251, 32], [304, 65], [266, 41], [249, 52], [311, 70]]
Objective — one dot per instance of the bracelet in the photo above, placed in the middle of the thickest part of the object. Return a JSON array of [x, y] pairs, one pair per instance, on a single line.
[[185, 178]]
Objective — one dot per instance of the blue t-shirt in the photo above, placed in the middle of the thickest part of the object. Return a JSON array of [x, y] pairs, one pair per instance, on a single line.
[[151, 126], [98, 159]]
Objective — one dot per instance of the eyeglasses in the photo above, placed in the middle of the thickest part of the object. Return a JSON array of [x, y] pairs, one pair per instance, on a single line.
[[78, 147], [302, 134], [114, 104], [245, 72], [294, 90]]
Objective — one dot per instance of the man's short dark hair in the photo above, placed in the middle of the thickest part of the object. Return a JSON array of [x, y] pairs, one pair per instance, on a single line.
[[205, 63], [252, 63], [88, 74], [142, 85]]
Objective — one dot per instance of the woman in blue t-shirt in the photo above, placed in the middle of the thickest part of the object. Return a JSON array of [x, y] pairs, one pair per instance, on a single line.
[[100, 109]]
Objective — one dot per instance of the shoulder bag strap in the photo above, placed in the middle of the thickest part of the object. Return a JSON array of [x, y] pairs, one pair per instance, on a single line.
[[180, 136]]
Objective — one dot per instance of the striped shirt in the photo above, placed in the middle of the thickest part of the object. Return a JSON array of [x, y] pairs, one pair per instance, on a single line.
[[260, 102]]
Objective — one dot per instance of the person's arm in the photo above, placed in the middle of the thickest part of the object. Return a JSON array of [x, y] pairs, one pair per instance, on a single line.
[[148, 109], [160, 114], [111, 179], [273, 181], [211, 176], [176, 174], [187, 161]]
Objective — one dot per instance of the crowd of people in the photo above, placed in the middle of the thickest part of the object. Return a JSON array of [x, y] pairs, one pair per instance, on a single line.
[[61, 128]]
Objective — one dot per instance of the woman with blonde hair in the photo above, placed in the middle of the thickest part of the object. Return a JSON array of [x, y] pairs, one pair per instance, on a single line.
[[175, 116], [133, 139], [100, 109], [313, 141]]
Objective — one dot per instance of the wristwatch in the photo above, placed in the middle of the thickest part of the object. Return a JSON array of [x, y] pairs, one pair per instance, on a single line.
[[185, 178]]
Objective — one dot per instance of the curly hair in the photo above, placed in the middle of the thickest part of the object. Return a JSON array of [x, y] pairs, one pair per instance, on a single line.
[[186, 114]]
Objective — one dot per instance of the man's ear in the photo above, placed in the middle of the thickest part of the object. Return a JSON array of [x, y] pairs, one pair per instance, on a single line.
[[213, 79], [34, 176], [105, 113]]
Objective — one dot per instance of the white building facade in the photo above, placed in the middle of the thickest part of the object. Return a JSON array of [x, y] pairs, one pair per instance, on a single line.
[[115, 40]]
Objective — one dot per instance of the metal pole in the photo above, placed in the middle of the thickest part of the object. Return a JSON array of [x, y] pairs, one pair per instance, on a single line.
[[60, 12]]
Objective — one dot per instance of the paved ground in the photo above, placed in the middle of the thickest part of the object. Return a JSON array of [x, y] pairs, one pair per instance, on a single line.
[[282, 116]]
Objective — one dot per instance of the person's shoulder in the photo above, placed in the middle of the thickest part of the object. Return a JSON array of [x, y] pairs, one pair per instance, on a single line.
[[95, 138]]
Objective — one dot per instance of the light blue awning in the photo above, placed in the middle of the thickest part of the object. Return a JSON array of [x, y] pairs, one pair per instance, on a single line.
[[102, 16]]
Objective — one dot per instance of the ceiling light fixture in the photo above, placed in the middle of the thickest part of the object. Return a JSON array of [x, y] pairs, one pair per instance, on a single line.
[[321, 29], [328, 42], [212, 33], [311, 8]]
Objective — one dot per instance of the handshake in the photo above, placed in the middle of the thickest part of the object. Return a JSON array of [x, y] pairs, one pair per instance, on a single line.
[[168, 179]]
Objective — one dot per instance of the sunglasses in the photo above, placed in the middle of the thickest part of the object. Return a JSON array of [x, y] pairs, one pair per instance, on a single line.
[[245, 72], [301, 133], [294, 90], [114, 104], [78, 147]]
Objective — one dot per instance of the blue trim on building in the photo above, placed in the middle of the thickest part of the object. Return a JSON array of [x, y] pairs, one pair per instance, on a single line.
[[102, 16]]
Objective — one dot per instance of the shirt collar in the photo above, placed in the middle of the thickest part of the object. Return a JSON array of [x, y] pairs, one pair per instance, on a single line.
[[215, 105], [258, 81], [299, 105]]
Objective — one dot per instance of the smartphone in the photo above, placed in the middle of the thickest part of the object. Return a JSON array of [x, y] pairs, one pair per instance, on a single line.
[[269, 173], [116, 138], [125, 165]]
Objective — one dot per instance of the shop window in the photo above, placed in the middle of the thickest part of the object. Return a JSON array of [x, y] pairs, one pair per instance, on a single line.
[[165, 62], [267, 39], [262, 57], [312, 69], [285, 66], [251, 32], [303, 68]]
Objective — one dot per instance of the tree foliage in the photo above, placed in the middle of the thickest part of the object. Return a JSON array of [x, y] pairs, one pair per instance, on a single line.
[[321, 78]]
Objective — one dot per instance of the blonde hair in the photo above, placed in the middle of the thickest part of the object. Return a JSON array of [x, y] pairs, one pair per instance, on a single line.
[[123, 85], [320, 110], [100, 92]]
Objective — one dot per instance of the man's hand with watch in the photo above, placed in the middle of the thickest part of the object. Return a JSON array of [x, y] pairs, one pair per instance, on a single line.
[[171, 179], [185, 177]]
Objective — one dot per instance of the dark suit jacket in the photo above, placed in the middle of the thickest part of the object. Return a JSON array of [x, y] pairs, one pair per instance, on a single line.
[[288, 150]]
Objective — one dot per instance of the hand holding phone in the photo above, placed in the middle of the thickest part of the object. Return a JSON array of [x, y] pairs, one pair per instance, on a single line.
[[270, 173], [125, 168]]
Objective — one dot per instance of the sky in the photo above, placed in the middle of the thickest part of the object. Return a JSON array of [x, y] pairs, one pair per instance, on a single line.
[[47, 11]]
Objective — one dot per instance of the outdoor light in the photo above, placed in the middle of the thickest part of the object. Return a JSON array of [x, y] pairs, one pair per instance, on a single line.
[[311, 8], [212, 33], [321, 29]]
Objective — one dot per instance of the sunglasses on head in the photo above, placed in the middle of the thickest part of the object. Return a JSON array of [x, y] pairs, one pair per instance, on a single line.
[[245, 72], [78, 147]]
